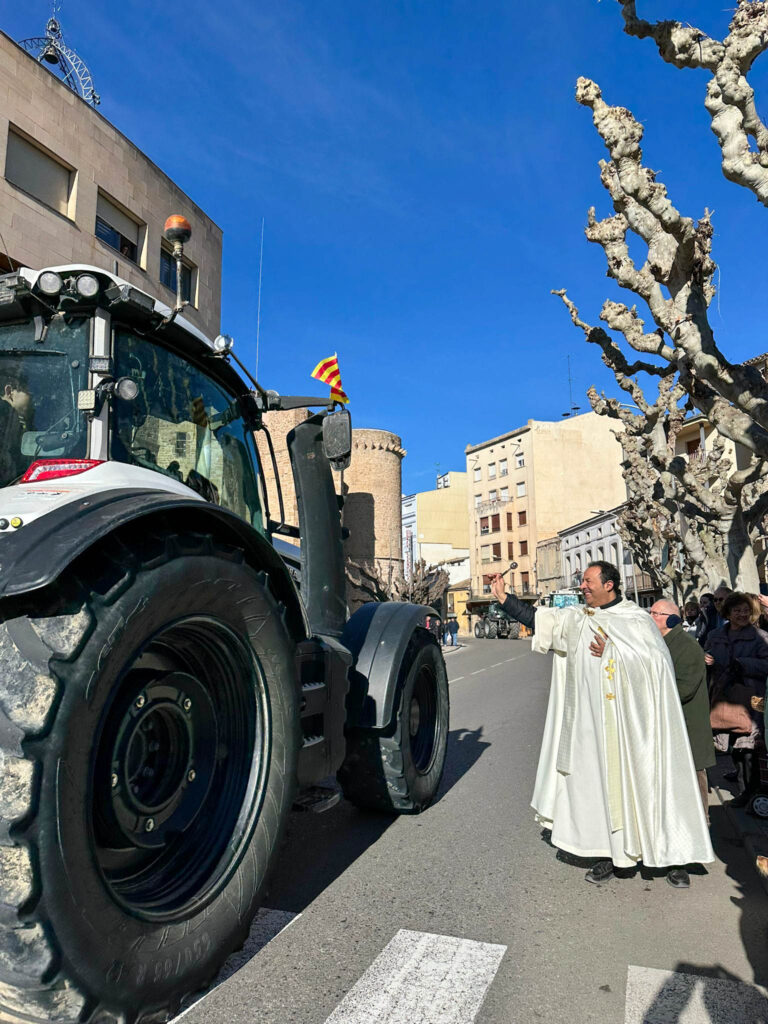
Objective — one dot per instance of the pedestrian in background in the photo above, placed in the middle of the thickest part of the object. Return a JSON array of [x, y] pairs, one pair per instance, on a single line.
[[691, 617], [707, 620], [738, 654], [691, 678], [451, 629]]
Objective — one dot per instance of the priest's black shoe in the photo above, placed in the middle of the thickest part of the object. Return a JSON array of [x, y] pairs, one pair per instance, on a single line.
[[600, 872], [679, 878]]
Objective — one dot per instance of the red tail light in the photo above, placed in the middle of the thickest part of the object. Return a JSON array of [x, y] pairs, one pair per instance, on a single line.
[[54, 469]]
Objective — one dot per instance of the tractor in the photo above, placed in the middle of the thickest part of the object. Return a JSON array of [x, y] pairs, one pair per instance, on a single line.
[[175, 670], [495, 623]]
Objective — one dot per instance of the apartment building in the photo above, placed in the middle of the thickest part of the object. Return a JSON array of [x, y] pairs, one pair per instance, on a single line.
[[74, 189], [436, 527], [526, 485]]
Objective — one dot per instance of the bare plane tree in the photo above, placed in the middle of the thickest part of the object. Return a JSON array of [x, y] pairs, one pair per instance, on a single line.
[[723, 506], [427, 583]]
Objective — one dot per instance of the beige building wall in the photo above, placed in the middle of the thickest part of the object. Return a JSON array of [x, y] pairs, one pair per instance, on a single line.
[[548, 566], [442, 521], [526, 485], [62, 135]]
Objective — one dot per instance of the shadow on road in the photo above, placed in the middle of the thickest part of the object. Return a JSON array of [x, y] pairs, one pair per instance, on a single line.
[[465, 747], [320, 847], [725, 997]]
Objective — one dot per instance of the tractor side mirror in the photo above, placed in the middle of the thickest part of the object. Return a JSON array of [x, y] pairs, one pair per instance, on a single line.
[[337, 438]]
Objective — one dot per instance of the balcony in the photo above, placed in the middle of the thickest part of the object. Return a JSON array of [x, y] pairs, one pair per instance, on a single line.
[[486, 507]]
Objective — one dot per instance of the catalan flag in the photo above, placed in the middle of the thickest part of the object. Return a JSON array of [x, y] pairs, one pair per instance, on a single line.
[[327, 370]]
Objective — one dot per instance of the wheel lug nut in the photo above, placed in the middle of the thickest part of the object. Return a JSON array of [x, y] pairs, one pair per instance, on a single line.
[[149, 824], [114, 780], [191, 775], [186, 704], [141, 700]]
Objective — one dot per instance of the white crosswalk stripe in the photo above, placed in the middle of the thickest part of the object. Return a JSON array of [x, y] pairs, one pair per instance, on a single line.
[[421, 978], [669, 997]]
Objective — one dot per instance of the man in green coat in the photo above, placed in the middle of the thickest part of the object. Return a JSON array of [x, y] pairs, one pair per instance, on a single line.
[[691, 677]]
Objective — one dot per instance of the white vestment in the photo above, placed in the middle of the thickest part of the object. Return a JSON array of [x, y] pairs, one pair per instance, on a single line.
[[616, 777]]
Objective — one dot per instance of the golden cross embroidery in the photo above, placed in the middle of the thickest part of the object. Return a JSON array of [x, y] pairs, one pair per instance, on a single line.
[[610, 696], [610, 669]]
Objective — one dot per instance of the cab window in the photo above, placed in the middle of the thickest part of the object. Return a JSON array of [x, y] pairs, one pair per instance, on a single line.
[[185, 426]]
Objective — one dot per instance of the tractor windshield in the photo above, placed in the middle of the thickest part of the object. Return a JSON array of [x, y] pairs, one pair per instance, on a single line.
[[185, 426], [39, 382]]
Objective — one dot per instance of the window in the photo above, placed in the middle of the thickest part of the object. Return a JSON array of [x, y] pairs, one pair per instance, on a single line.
[[510, 550], [491, 470], [478, 500], [509, 521], [504, 494], [523, 547], [168, 275], [600, 554], [181, 445], [175, 397], [496, 552], [116, 229], [478, 473], [38, 172], [495, 523], [521, 490], [522, 518], [525, 579], [519, 460], [487, 584], [484, 527], [450, 602], [492, 496], [502, 467], [485, 553]]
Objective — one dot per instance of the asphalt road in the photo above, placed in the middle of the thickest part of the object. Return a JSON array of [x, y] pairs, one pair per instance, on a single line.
[[477, 867]]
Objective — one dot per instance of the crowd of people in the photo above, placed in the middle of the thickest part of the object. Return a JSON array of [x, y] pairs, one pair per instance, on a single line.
[[732, 629]]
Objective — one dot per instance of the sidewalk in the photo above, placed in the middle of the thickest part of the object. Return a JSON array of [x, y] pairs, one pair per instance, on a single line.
[[753, 830]]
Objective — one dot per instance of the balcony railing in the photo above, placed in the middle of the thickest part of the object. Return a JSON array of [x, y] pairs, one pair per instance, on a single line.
[[491, 506]]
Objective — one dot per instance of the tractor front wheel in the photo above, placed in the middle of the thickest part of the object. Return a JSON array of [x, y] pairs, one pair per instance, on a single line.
[[398, 769], [149, 733]]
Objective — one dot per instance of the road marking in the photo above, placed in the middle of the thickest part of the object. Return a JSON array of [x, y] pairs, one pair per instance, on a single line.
[[657, 997], [479, 671], [456, 679], [422, 977], [498, 664]]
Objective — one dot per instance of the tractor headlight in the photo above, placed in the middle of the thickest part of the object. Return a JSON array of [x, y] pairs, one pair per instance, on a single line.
[[88, 286], [49, 283]]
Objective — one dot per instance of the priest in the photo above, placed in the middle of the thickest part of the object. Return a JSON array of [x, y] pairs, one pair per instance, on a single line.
[[616, 780]]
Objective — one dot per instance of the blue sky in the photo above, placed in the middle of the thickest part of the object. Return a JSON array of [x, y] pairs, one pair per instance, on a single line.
[[424, 175]]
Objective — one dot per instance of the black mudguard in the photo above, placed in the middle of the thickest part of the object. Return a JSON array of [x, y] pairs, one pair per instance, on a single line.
[[40, 552], [378, 635]]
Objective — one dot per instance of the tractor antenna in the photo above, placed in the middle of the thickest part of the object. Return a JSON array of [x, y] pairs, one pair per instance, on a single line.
[[258, 303], [572, 409]]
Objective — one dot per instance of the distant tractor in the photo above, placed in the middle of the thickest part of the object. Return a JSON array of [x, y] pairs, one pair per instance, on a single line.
[[494, 623], [172, 674]]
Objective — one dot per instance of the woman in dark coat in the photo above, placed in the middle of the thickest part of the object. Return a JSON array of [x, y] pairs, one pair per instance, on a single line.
[[707, 620], [743, 648]]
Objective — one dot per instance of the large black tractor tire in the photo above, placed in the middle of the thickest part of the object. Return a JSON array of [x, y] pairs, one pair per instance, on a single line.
[[514, 631], [479, 633], [398, 769], [149, 731], [491, 630]]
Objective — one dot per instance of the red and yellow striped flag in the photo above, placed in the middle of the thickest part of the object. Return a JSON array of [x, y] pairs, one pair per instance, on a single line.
[[327, 370]]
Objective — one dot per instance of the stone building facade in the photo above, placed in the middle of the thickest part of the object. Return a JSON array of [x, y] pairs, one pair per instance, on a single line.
[[74, 189], [526, 485]]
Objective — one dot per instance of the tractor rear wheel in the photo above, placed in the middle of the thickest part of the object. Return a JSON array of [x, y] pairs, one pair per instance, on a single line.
[[149, 732], [479, 630], [491, 629], [514, 630], [398, 769]]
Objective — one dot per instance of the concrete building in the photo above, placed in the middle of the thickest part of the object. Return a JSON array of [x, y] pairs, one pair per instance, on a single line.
[[597, 539], [74, 189], [436, 527], [526, 485]]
